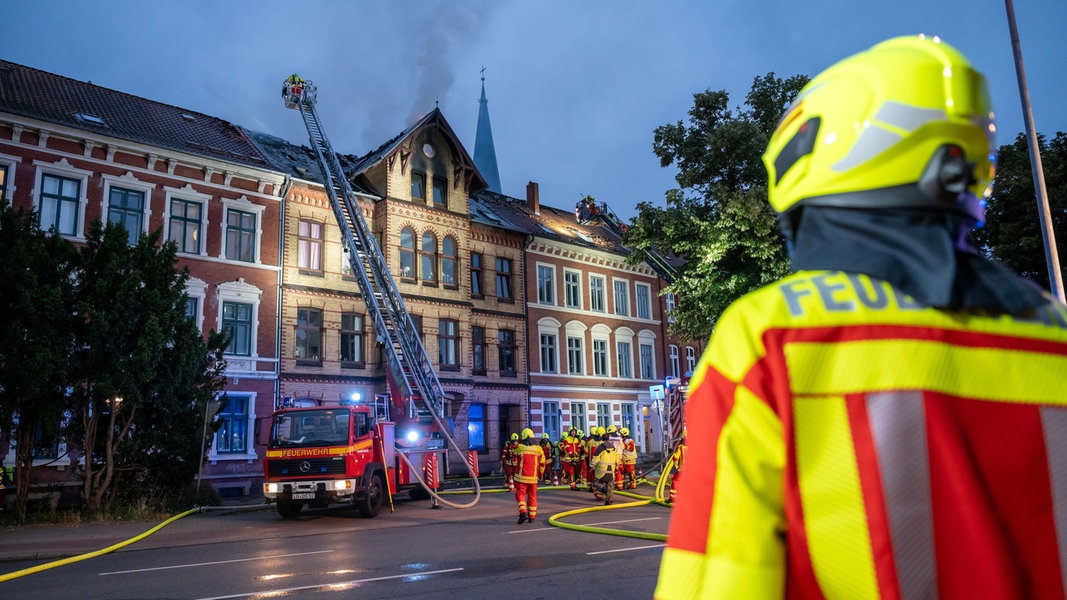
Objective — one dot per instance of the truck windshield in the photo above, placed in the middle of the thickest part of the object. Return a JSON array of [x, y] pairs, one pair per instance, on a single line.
[[308, 428]]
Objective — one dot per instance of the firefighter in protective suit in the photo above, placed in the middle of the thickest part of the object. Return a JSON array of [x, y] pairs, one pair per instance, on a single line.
[[508, 459], [530, 468], [888, 421], [570, 456], [604, 463], [627, 476]]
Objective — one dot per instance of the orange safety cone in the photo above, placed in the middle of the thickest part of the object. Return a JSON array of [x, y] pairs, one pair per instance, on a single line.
[[511, 484], [555, 478]]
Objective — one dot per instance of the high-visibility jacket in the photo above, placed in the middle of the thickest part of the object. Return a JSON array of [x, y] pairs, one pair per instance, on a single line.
[[605, 460], [570, 449], [530, 464], [509, 455], [629, 452], [845, 442], [590, 448]]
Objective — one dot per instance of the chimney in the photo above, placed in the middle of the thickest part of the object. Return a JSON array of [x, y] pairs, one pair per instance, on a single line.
[[533, 197]]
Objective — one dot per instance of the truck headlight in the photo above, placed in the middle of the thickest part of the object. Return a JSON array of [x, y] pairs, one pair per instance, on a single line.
[[342, 484], [271, 488]]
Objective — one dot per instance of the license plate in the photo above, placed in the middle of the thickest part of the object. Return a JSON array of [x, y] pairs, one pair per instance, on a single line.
[[303, 495]]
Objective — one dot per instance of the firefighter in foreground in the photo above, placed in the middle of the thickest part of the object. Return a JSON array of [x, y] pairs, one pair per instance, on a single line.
[[530, 468], [889, 421]]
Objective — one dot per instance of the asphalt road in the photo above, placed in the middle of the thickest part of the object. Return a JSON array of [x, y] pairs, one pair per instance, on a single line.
[[413, 552]]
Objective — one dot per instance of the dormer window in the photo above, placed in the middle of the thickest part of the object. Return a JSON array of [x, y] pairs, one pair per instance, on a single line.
[[90, 119]]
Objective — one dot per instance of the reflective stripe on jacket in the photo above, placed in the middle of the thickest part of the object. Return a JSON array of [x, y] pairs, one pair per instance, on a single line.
[[845, 442], [530, 464]]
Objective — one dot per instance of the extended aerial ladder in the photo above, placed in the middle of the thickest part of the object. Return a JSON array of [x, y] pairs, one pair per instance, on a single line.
[[590, 212], [406, 359]]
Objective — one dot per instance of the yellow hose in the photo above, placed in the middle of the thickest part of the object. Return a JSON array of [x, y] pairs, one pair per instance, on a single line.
[[94, 554]]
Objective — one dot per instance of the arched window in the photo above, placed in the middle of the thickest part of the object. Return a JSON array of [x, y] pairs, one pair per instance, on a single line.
[[448, 261], [428, 258], [407, 253]]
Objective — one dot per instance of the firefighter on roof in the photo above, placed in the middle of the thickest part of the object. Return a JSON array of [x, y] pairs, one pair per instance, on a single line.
[[890, 420], [529, 470]]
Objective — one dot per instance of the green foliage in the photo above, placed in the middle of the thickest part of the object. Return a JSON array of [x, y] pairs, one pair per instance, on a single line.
[[719, 221], [1012, 234]]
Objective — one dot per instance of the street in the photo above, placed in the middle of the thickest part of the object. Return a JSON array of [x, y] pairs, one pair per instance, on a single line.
[[411, 552]]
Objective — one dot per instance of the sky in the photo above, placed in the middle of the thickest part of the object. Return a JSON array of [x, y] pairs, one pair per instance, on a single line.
[[575, 89]]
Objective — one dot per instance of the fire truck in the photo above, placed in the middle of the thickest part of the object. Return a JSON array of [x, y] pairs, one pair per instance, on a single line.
[[349, 452]]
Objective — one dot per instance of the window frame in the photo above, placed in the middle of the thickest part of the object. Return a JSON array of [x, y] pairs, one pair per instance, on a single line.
[[603, 414], [478, 355], [241, 293], [351, 336], [407, 250], [242, 206], [478, 421], [598, 299], [546, 284], [233, 323], [675, 360], [312, 334], [624, 360], [449, 262], [620, 301], [552, 419], [428, 258], [448, 344], [643, 300], [572, 288], [418, 178], [440, 183], [575, 355], [507, 353], [503, 280], [548, 344], [128, 186], [248, 427], [200, 224], [63, 171], [476, 268], [310, 249], [579, 415]]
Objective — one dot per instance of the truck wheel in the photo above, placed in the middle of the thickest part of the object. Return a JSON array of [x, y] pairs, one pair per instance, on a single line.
[[371, 502], [289, 510]]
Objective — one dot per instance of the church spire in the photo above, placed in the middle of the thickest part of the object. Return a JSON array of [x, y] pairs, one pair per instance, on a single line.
[[484, 152]]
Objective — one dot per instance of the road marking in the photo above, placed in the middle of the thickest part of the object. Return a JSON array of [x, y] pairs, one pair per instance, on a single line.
[[625, 521], [332, 587], [217, 562], [625, 549]]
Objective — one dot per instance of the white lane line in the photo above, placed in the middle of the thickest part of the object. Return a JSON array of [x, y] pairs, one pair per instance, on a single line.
[[625, 521], [332, 587], [625, 549], [217, 562], [534, 530]]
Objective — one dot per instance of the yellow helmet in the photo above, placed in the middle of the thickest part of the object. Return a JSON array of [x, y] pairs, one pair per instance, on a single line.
[[514, 436], [600, 431], [611, 429], [545, 435], [907, 123], [527, 433], [625, 432]]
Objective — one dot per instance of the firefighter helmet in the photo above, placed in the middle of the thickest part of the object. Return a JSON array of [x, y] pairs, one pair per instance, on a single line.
[[907, 123], [514, 437], [527, 433], [611, 429], [625, 432], [545, 435], [600, 431]]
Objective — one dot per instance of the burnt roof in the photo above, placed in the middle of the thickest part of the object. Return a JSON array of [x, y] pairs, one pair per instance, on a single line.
[[37, 94]]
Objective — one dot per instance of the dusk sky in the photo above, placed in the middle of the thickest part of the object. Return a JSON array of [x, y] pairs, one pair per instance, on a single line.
[[575, 88]]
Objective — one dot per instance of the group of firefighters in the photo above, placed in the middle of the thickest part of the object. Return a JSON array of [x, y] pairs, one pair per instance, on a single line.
[[603, 460]]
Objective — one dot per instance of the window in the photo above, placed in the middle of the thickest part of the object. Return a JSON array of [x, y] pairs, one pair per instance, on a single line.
[[407, 254], [668, 300], [622, 350], [185, 223], [428, 258], [418, 185], [575, 362], [603, 414], [690, 359], [440, 192], [352, 340], [240, 235], [192, 308], [622, 297], [572, 289], [600, 358], [643, 300], [596, 293], [309, 246], [126, 207], [478, 349], [3, 182], [476, 275], [548, 353], [628, 412], [237, 323], [60, 199], [552, 420], [232, 436], [476, 427], [647, 363], [196, 291], [448, 262], [503, 279], [506, 352], [675, 363], [578, 415], [45, 442], [308, 336], [448, 344], [546, 284]]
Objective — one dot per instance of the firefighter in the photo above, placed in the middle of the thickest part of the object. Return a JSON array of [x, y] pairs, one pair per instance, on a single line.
[[888, 421], [627, 476], [530, 468], [571, 457], [678, 458], [580, 472], [508, 459], [615, 439], [591, 442], [605, 462], [549, 449]]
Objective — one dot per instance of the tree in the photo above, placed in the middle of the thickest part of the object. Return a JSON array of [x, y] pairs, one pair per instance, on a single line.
[[143, 373], [1012, 234], [719, 220], [35, 339]]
